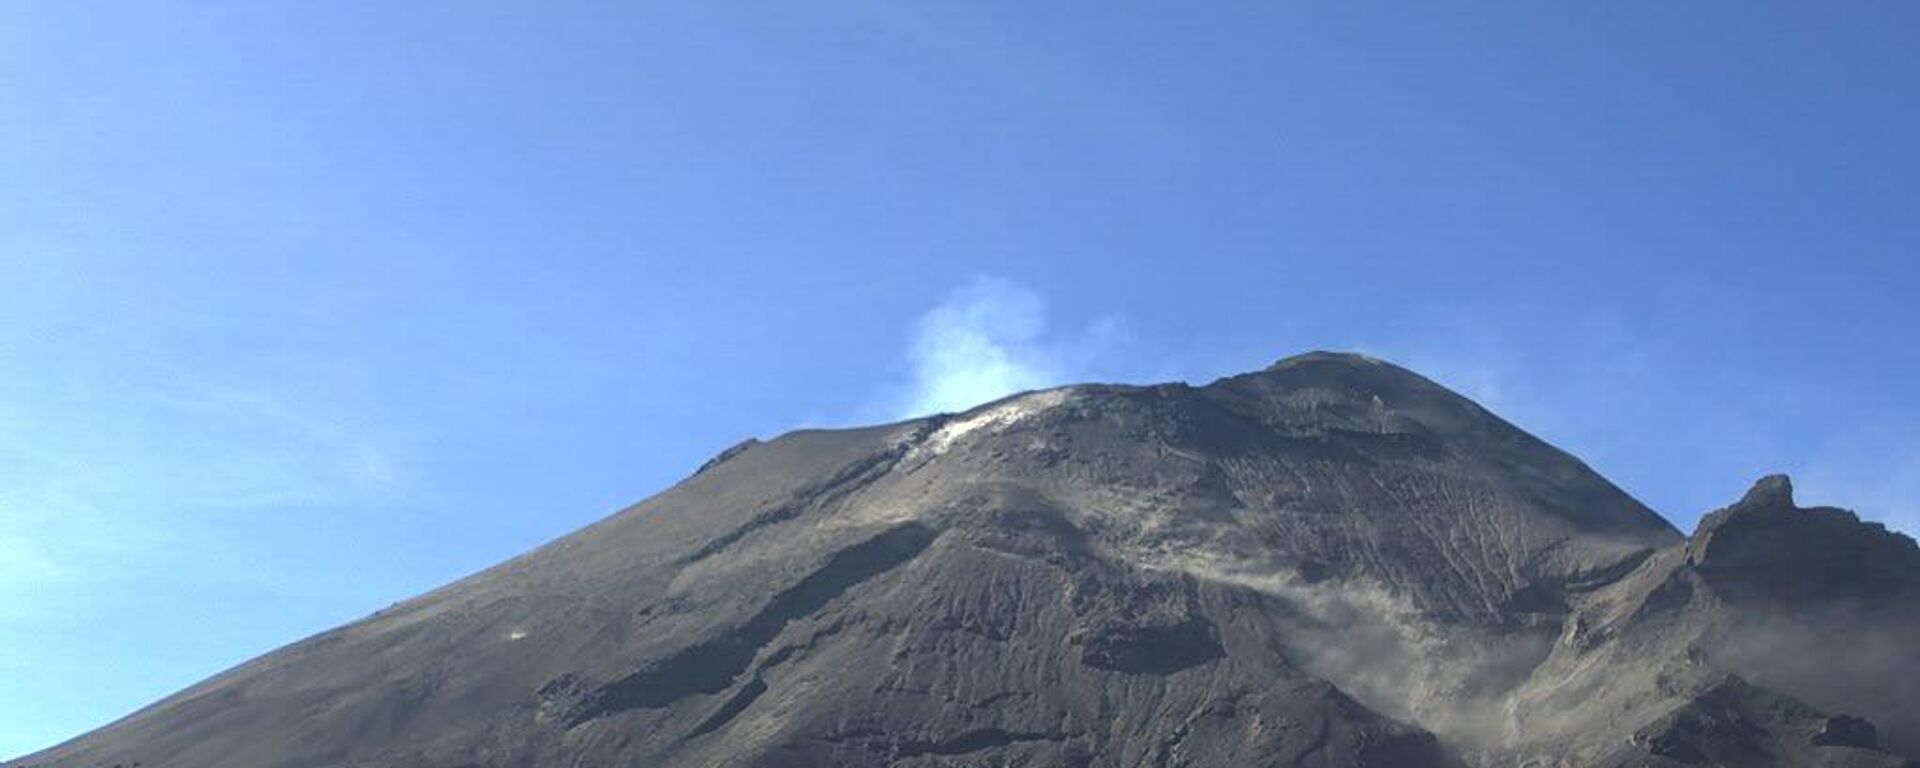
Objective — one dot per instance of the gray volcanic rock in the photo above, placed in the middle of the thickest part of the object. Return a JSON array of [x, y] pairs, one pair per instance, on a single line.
[[1767, 548], [1331, 562], [1732, 723]]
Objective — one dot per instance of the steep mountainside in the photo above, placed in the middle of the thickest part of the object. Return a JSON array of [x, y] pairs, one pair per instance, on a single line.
[[1331, 562]]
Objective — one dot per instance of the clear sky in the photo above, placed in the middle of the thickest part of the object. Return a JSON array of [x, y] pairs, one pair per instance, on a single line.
[[307, 308]]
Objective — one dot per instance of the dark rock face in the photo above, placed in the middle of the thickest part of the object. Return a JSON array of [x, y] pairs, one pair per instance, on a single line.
[[1733, 723], [1766, 547], [1847, 731], [1332, 562]]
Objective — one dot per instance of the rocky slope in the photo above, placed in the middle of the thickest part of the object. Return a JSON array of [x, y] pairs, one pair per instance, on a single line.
[[1331, 562]]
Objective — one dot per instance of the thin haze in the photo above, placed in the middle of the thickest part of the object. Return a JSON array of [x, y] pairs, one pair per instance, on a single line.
[[305, 309]]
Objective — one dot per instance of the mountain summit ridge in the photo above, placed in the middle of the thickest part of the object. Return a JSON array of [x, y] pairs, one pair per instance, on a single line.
[[1332, 561]]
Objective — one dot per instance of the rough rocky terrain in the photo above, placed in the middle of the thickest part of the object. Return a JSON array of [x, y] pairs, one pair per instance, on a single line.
[[1330, 562]]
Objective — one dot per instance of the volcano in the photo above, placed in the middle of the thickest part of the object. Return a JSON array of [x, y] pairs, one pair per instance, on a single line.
[[1330, 562]]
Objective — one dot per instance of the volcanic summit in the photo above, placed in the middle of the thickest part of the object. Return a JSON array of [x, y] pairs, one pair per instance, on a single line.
[[1330, 562]]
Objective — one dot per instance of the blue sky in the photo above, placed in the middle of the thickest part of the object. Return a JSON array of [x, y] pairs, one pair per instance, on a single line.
[[307, 308]]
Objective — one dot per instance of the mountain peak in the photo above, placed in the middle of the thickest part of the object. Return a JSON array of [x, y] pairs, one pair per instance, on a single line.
[[1244, 573], [1770, 492], [1349, 370], [1327, 357], [1351, 392], [1765, 544]]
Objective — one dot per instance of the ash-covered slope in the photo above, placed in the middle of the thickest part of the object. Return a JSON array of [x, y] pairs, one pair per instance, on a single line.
[[1761, 642], [1332, 562]]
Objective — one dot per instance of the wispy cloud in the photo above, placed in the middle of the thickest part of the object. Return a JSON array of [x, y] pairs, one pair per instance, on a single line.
[[99, 483], [991, 338]]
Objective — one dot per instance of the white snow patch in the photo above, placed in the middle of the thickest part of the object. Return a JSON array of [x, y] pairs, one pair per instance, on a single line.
[[994, 419]]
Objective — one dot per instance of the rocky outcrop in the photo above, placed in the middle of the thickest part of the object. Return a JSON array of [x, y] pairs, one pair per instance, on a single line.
[[1733, 723], [1846, 731], [1765, 547]]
